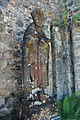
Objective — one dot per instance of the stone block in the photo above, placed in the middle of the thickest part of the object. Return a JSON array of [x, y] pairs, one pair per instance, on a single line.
[[3, 4], [2, 101], [55, 117], [0, 12], [1, 18], [13, 2], [4, 111], [4, 92], [19, 23], [2, 28]]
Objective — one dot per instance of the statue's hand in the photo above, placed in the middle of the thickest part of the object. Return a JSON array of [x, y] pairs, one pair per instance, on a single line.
[[43, 43], [44, 38]]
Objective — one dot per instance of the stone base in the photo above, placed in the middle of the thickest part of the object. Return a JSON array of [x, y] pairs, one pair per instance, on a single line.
[[44, 111]]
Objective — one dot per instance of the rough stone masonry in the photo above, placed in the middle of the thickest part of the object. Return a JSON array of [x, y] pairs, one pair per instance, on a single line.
[[14, 19]]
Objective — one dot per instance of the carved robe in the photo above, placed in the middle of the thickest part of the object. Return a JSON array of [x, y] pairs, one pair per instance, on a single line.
[[35, 56]]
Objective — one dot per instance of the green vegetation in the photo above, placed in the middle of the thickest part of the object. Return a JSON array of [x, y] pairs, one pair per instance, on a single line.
[[64, 17], [69, 108], [76, 17], [64, 1]]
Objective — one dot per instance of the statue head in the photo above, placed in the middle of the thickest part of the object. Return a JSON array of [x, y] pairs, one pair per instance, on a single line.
[[37, 15]]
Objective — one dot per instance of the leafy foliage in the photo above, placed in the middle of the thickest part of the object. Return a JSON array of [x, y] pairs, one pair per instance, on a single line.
[[59, 106], [78, 114], [66, 106], [69, 107], [76, 17], [64, 1]]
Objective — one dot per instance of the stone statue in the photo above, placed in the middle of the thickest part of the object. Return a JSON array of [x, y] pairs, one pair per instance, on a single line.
[[35, 52]]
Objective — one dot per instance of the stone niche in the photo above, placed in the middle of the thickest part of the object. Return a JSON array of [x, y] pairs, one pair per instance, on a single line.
[[37, 58]]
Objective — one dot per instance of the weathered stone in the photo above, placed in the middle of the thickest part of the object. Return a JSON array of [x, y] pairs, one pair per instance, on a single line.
[[3, 111], [15, 42], [4, 47], [37, 15], [19, 23], [1, 18], [2, 28], [7, 0], [3, 4], [20, 33], [19, 38], [13, 2], [0, 11], [35, 40], [76, 42], [4, 92], [2, 101], [13, 10], [55, 117], [16, 47]]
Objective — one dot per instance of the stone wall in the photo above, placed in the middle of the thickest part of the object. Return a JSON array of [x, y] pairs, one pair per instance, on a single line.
[[76, 53], [63, 76], [14, 20]]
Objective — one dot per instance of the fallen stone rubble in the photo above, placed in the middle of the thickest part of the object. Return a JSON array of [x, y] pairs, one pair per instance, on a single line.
[[34, 104], [37, 105]]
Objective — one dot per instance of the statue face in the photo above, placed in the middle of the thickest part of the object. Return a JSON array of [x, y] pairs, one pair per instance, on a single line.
[[37, 15]]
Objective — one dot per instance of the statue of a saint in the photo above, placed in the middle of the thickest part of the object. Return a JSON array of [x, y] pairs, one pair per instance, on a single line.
[[35, 52]]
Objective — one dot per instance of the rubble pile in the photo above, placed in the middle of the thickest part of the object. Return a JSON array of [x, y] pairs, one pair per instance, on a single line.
[[36, 104], [37, 96]]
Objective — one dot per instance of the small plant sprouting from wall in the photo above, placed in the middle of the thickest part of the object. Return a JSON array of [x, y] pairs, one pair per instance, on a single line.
[[64, 17], [76, 17]]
